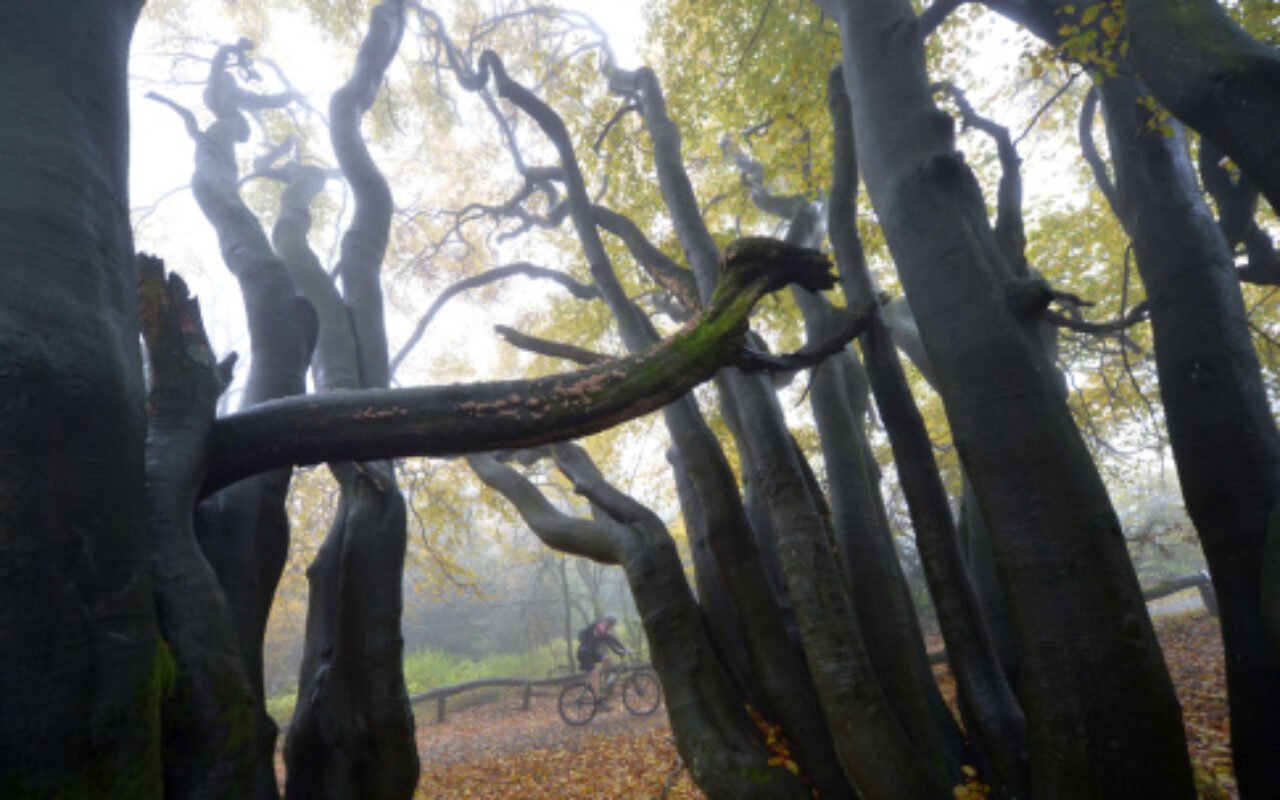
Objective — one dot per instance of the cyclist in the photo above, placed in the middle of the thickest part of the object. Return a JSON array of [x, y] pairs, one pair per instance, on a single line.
[[592, 641]]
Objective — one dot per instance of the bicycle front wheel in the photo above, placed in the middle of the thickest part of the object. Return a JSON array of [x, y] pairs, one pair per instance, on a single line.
[[577, 704], [641, 693]]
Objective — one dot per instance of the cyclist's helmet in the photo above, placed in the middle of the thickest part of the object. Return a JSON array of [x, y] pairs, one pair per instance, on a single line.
[[611, 619]]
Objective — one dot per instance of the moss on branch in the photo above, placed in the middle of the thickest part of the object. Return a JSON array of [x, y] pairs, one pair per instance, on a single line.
[[467, 418]]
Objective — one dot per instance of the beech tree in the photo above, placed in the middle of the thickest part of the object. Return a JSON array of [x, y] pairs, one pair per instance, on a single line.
[[1033, 560], [144, 534], [126, 672]]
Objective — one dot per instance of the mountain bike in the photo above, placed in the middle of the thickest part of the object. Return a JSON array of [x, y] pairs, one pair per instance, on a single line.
[[641, 694]]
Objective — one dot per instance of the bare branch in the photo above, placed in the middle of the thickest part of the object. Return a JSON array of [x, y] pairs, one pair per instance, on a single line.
[[1091, 155], [1048, 104], [545, 347], [636, 329], [623, 110], [1236, 198], [188, 118], [578, 290], [755, 37], [587, 480], [1139, 313], [580, 537], [937, 12], [364, 245], [811, 355], [664, 271], [467, 418], [673, 179], [1009, 229]]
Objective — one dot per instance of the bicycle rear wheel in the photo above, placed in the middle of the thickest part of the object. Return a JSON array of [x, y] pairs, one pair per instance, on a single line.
[[641, 693], [577, 704]]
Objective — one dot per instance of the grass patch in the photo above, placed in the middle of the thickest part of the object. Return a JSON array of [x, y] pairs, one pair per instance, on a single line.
[[430, 669]]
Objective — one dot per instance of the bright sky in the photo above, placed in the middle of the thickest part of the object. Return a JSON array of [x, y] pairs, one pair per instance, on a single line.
[[162, 160], [162, 163]]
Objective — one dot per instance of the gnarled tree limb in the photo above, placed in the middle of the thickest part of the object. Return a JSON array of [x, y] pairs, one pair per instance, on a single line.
[[463, 418]]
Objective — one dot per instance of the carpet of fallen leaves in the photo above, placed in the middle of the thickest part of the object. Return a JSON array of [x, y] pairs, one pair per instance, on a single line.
[[500, 750], [1193, 650]]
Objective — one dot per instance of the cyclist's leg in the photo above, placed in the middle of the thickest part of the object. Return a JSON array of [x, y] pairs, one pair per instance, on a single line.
[[595, 674]]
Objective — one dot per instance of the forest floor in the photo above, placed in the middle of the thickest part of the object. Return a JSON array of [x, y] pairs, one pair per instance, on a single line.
[[499, 750]]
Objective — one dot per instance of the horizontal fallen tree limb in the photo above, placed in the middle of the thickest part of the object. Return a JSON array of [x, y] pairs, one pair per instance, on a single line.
[[457, 419]]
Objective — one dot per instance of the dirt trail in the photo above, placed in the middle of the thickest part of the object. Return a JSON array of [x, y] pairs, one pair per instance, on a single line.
[[503, 727]]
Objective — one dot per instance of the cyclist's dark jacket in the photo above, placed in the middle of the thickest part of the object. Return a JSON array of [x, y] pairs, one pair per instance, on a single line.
[[591, 643]]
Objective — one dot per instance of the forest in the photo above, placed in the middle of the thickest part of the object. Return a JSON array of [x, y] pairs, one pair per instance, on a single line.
[[822, 340]]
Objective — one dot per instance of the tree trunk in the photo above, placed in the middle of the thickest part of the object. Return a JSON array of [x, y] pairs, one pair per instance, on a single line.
[[724, 625], [82, 663], [717, 740], [872, 746], [355, 724], [715, 737], [209, 716], [244, 530], [980, 563], [778, 673], [1213, 76], [1223, 435], [352, 734], [886, 613], [1082, 629], [1221, 429], [992, 714]]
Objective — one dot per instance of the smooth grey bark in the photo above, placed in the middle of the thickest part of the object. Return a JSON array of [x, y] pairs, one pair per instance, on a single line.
[[82, 662], [244, 530], [716, 738], [1213, 76], [878, 589], [1217, 78], [995, 721], [1235, 199], [678, 196], [873, 749], [980, 563], [724, 623], [839, 396], [760, 521], [779, 675], [461, 418], [1271, 582], [1081, 626], [716, 595], [353, 731], [1221, 430]]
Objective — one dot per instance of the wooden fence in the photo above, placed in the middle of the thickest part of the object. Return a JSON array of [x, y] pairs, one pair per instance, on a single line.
[[442, 694], [1199, 580]]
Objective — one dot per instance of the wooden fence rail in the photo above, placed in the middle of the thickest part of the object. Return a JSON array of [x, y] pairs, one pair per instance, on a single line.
[[442, 694]]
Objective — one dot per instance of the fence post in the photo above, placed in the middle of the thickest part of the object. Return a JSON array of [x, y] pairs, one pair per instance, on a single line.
[[1208, 596], [528, 694], [440, 708]]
